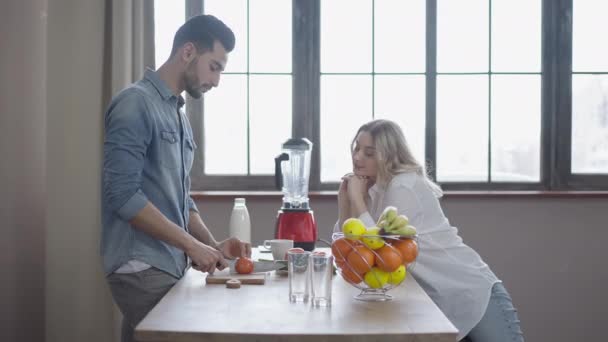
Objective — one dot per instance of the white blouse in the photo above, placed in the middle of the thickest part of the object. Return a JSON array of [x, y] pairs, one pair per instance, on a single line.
[[450, 272]]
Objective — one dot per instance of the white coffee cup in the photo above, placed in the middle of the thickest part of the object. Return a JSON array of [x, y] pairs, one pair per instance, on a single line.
[[279, 248]]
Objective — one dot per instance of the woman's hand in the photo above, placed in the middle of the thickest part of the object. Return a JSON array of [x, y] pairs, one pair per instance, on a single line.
[[357, 193], [357, 188], [343, 200]]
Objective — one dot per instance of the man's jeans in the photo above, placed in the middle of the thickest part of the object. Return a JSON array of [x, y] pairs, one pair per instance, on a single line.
[[136, 294]]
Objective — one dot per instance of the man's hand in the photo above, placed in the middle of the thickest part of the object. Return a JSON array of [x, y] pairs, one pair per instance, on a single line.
[[232, 248], [205, 258]]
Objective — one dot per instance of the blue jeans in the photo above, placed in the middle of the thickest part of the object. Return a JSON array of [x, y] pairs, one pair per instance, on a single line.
[[500, 322]]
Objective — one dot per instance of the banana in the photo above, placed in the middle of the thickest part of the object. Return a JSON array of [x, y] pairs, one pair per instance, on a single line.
[[391, 214], [397, 223], [393, 223], [407, 230], [385, 216], [382, 224]]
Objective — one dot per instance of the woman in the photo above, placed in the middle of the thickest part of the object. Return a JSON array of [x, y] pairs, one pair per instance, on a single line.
[[386, 174]]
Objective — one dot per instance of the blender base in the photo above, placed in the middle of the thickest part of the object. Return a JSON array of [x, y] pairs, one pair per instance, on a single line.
[[307, 246]]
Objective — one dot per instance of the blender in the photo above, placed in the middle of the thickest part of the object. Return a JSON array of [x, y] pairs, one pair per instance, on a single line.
[[295, 219]]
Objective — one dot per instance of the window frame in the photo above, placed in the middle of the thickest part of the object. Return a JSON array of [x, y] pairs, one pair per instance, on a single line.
[[556, 106]]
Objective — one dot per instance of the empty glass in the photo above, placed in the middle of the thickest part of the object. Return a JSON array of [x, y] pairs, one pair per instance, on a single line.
[[299, 276], [321, 276]]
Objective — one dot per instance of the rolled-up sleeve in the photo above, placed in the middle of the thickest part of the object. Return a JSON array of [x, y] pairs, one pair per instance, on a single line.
[[192, 205], [127, 136]]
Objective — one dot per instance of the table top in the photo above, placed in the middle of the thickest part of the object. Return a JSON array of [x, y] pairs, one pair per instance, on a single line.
[[195, 311]]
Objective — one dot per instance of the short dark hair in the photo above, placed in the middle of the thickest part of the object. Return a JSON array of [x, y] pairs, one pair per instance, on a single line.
[[202, 31]]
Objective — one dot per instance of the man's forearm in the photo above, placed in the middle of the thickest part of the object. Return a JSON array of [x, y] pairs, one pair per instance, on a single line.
[[152, 222], [199, 230]]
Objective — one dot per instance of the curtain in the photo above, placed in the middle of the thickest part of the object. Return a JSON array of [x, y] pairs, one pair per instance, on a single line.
[[129, 50], [131, 47]]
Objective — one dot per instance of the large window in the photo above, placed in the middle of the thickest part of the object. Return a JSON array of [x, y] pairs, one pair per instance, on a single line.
[[589, 89], [491, 94]]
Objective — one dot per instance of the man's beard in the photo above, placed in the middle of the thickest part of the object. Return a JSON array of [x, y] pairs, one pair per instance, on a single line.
[[192, 83]]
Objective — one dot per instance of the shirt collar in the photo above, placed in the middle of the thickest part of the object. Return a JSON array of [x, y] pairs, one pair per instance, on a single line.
[[180, 101], [162, 87]]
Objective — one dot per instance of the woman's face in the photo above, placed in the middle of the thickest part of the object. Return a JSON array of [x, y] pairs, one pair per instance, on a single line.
[[364, 156]]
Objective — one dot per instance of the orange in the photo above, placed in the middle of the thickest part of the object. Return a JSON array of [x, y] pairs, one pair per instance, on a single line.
[[361, 259], [388, 258], [350, 276], [243, 265], [341, 248], [408, 249]]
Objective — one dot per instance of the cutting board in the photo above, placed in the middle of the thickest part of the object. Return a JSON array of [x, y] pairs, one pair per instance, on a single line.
[[220, 277]]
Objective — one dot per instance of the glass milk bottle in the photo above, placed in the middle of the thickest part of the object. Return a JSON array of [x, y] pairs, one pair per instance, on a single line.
[[240, 225]]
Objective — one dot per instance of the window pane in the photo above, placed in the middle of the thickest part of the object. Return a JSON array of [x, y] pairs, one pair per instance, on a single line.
[[402, 99], [270, 120], [168, 17], [225, 141], [462, 128], [234, 14], [462, 35], [399, 37], [516, 128], [346, 104], [346, 36], [589, 29], [590, 124], [516, 44], [270, 39]]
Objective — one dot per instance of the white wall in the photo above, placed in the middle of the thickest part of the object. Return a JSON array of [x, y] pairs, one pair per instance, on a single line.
[[549, 252], [79, 307]]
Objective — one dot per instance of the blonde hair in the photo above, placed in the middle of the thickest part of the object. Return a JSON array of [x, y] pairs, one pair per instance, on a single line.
[[393, 154]]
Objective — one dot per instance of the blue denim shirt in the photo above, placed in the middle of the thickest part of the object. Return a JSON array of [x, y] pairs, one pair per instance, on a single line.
[[148, 154]]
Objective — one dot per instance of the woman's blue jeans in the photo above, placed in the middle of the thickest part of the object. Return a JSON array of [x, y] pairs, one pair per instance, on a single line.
[[500, 322]]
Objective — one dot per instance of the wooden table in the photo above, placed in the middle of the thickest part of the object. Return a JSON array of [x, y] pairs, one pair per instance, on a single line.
[[194, 311]]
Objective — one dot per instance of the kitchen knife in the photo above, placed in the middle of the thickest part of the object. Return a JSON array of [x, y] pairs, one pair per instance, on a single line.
[[261, 265]]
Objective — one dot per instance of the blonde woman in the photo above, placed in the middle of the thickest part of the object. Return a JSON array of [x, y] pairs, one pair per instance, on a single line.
[[452, 273]]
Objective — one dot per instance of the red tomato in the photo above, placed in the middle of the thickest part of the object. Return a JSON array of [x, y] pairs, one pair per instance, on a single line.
[[243, 265]]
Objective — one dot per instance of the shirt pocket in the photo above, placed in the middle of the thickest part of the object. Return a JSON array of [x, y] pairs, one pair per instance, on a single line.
[[169, 150], [189, 153]]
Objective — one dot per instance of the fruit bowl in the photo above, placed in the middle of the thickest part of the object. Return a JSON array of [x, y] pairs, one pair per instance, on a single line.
[[375, 264]]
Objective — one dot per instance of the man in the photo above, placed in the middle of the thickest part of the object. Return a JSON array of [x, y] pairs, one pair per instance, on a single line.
[[151, 225]]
